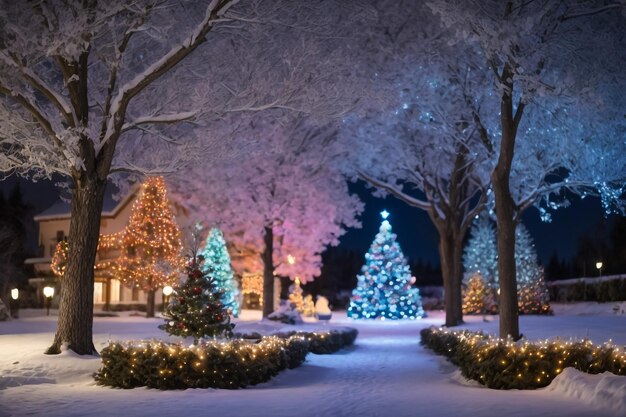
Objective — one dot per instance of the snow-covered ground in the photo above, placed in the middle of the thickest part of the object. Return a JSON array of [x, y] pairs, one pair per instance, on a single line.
[[387, 373]]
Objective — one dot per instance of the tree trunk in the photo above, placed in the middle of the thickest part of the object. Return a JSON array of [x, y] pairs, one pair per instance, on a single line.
[[150, 303], [268, 272], [75, 325], [107, 296], [505, 213], [509, 316], [450, 257]]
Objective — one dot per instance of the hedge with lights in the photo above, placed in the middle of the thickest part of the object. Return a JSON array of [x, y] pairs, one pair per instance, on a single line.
[[321, 343], [248, 360], [504, 364], [233, 364], [326, 342]]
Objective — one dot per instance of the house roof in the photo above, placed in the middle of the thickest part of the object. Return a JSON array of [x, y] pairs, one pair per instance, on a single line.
[[110, 207]]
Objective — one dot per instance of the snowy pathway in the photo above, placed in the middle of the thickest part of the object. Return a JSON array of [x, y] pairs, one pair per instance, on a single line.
[[387, 373]]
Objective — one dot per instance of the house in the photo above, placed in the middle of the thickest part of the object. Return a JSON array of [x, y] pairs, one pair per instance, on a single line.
[[54, 223]]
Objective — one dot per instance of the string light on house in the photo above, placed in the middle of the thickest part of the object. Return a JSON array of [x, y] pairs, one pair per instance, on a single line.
[[252, 283]]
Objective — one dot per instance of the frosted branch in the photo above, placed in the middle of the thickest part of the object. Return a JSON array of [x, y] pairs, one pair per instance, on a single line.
[[396, 191], [159, 119]]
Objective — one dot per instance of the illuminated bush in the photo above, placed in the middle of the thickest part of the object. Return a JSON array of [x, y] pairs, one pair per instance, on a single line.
[[503, 364], [212, 364]]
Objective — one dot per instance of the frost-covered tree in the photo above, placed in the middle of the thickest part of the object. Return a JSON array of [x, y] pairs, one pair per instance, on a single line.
[[424, 147], [283, 199], [550, 107], [532, 292], [86, 87], [481, 253], [217, 266]]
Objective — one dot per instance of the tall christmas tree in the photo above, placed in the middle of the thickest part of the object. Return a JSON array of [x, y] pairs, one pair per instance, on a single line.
[[196, 309], [217, 265], [532, 292], [481, 254], [384, 287], [151, 247]]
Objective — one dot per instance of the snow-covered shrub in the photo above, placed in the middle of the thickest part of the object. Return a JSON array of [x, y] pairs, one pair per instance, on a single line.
[[605, 289], [503, 364], [323, 343], [207, 365], [287, 313]]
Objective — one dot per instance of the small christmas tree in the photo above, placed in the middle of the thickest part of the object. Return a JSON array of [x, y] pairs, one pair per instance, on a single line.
[[532, 292], [196, 308], [384, 288], [308, 307], [217, 265], [295, 295], [481, 254], [151, 247], [478, 297]]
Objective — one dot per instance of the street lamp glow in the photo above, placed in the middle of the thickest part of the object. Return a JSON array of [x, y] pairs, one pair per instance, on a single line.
[[167, 290], [599, 265], [291, 259], [48, 292], [15, 293]]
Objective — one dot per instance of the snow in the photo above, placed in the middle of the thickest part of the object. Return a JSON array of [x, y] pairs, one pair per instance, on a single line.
[[387, 373], [587, 280], [603, 390]]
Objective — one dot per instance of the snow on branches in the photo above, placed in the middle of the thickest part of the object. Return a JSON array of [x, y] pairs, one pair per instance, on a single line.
[[288, 184]]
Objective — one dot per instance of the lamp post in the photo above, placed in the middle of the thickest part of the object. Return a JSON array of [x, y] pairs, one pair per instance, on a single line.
[[599, 266], [48, 292], [14, 303], [167, 291]]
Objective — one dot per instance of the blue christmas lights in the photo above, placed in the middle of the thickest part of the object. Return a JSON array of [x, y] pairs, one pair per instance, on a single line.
[[384, 288]]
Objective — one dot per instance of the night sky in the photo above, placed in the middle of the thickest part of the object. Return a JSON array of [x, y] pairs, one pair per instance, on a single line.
[[416, 234], [418, 237]]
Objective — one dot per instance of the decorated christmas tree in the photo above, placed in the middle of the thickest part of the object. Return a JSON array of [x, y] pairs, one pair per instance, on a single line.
[[217, 265], [295, 295], [481, 253], [384, 287], [478, 297], [532, 292], [196, 309], [151, 247]]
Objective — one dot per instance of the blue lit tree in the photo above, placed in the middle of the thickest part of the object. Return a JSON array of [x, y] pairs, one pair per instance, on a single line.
[[384, 288], [532, 292], [481, 254], [217, 265]]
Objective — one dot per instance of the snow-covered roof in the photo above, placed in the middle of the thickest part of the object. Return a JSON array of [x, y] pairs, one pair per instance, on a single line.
[[35, 261], [110, 207]]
